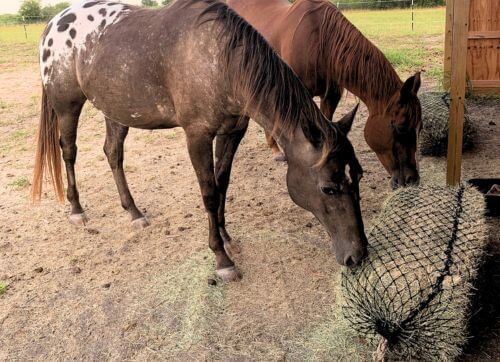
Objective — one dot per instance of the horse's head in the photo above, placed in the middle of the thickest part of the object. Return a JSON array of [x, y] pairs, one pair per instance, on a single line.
[[327, 184], [393, 134]]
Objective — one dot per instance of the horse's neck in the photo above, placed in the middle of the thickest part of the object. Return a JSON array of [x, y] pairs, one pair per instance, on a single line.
[[376, 102], [356, 64]]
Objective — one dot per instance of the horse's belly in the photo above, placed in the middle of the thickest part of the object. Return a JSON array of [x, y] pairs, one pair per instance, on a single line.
[[140, 107]]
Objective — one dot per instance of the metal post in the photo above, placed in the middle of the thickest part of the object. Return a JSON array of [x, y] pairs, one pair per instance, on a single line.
[[412, 18], [24, 26]]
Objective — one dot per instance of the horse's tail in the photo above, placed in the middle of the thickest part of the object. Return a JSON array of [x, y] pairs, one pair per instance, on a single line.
[[48, 152]]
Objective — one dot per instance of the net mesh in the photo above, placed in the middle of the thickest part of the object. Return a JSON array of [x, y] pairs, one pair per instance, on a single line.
[[434, 135], [415, 287]]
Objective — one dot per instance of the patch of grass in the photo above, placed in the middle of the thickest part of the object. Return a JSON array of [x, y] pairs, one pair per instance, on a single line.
[[387, 23], [3, 104], [20, 183], [405, 59], [20, 134], [3, 287], [14, 34]]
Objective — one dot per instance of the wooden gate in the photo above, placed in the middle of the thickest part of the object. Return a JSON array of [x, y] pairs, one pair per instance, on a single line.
[[483, 45]]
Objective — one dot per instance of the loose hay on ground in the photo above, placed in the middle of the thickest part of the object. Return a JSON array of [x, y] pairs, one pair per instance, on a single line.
[[414, 290], [433, 139]]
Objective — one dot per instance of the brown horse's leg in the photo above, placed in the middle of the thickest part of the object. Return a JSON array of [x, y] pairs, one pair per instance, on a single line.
[[113, 148], [225, 149], [68, 124], [271, 142], [201, 154], [330, 101]]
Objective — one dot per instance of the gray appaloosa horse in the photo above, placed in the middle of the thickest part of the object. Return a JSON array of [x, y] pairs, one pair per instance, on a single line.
[[199, 66]]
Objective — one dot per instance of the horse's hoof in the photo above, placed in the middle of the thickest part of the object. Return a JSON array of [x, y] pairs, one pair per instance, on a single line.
[[232, 248], [140, 223], [280, 157], [227, 275], [78, 219]]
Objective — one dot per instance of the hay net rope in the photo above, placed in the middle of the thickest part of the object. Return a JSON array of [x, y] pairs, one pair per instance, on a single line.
[[413, 291]]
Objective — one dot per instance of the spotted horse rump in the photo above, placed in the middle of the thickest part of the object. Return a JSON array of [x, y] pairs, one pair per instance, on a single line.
[[74, 30]]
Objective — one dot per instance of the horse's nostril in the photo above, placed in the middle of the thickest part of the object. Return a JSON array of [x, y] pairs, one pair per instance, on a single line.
[[348, 261], [394, 182], [412, 180]]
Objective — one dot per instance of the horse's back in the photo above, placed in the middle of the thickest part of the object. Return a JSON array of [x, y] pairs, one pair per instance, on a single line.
[[290, 29], [266, 16], [134, 67]]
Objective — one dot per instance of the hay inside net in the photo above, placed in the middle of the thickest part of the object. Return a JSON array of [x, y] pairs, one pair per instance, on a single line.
[[433, 138], [413, 292]]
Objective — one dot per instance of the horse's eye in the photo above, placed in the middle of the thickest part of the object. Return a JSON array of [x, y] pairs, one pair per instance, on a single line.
[[330, 190]]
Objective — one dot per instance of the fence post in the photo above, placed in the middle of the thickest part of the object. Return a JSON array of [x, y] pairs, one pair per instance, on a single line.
[[412, 17], [460, 27]]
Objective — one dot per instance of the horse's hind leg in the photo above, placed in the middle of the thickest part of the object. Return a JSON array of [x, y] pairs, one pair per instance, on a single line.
[[225, 149], [113, 148], [68, 124]]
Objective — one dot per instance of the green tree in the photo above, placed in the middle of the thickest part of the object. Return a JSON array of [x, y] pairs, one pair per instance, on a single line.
[[49, 11], [31, 10], [166, 2], [149, 3]]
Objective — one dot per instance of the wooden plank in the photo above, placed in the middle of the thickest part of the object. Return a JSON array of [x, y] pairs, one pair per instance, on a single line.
[[457, 91], [485, 83], [448, 37], [484, 34]]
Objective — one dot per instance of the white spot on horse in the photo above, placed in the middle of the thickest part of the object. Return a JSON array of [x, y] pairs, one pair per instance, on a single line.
[[162, 109], [67, 40], [135, 115]]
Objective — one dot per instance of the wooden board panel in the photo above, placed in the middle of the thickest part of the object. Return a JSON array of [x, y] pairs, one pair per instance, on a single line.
[[480, 15], [483, 55], [483, 59]]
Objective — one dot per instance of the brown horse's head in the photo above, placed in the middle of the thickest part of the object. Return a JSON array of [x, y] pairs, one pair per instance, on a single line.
[[327, 184], [393, 134]]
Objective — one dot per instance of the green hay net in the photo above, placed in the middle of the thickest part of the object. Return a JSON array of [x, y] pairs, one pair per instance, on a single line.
[[433, 139], [412, 294]]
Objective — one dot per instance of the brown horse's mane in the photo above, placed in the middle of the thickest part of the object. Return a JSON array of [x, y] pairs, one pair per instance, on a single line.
[[349, 57], [259, 73]]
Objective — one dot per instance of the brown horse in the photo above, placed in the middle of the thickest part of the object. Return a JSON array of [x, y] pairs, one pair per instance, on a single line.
[[199, 66], [329, 54]]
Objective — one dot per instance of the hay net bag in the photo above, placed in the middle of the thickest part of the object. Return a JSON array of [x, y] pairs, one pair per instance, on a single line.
[[413, 291], [433, 139]]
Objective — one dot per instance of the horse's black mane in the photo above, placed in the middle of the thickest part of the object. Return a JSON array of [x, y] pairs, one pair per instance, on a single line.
[[261, 74]]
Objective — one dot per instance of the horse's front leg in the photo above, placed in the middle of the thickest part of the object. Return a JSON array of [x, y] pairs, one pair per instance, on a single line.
[[200, 151], [113, 148], [225, 149]]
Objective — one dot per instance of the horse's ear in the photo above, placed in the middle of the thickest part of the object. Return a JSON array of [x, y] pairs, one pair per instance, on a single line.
[[345, 123], [411, 86]]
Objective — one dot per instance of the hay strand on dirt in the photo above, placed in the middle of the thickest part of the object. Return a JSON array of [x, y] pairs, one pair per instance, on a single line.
[[433, 139], [414, 290]]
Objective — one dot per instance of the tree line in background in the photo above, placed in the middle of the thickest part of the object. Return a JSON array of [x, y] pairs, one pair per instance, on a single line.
[[33, 11]]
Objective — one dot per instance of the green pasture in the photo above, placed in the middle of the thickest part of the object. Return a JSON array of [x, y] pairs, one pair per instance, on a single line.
[[391, 30]]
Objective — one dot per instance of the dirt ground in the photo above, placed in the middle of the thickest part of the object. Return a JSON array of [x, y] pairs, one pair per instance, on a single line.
[[108, 292]]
